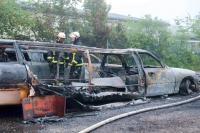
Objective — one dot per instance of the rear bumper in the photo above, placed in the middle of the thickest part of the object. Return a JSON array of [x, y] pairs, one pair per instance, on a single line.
[[13, 96]]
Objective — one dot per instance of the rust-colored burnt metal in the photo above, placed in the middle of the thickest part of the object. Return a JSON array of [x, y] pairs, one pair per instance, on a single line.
[[11, 95], [34, 107], [90, 69]]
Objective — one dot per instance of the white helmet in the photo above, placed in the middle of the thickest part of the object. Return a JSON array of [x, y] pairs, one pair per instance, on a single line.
[[61, 35], [74, 34]]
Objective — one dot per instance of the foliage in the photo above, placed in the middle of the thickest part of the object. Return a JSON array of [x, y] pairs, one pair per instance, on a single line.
[[53, 16], [150, 34], [156, 36], [190, 26], [96, 13], [196, 26], [14, 23], [117, 37], [42, 19]]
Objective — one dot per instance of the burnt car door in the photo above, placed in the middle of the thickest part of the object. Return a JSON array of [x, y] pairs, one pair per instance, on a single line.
[[135, 76], [159, 79], [127, 67], [36, 60], [12, 70], [112, 65], [13, 74]]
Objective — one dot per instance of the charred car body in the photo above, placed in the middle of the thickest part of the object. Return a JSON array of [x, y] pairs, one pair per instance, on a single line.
[[107, 74], [14, 84]]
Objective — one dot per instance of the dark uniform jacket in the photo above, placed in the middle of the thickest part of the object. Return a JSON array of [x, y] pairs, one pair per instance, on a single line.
[[75, 59], [77, 41], [3, 57], [56, 57]]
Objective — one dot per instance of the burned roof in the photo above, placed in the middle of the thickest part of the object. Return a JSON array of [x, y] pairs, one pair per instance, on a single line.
[[65, 47], [6, 41], [117, 51]]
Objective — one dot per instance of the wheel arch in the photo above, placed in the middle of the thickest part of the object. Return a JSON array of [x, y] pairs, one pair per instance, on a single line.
[[182, 83], [185, 78]]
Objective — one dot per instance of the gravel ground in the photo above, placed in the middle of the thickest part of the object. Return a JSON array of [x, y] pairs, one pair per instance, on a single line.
[[181, 119]]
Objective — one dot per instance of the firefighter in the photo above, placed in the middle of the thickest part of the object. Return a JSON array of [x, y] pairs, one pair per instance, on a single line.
[[55, 58], [75, 38], [3, 55], [75, 59], [76, 63]]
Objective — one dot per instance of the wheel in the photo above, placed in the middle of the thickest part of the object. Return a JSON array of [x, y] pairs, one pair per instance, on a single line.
[[186, 87]]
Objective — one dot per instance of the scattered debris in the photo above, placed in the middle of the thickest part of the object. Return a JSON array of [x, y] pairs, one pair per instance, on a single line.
[[164, 96], [139, 101], [44, 119], [80, 115]]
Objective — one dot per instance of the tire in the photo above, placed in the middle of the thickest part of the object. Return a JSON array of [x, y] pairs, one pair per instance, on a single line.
[[186, 87]]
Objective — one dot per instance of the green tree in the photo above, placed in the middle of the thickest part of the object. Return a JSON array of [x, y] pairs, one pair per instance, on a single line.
[[117, 37], [150, 34], [188, 29], [95, 23], [190, 25], [53, 16], [156, 36], [196, 26], [15, 23]]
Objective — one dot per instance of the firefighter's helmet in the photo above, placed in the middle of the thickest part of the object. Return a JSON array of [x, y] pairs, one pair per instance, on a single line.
[[74, 35], [61, 35]]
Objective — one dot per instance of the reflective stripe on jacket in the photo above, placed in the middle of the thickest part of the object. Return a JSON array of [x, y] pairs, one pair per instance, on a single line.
[[75, 60], [55, 58]]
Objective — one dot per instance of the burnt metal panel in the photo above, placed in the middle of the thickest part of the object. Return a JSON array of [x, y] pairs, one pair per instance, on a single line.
[[160, 81], [34, 107], [13, 95], [112, 82], [11, 73]]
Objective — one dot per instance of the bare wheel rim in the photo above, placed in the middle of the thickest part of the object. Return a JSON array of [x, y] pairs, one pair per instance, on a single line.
[[186, 87]]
